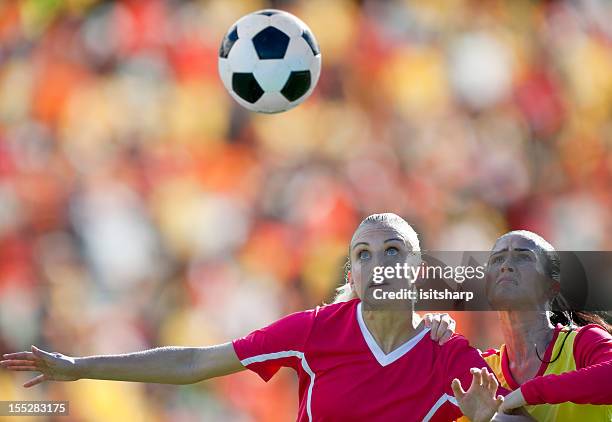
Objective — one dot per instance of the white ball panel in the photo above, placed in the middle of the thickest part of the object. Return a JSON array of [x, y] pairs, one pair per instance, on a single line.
[[242, 56], [251, 24], [271, 74], [225, 72], [315, 71], [287, 23], [271, 102], [299, 55]]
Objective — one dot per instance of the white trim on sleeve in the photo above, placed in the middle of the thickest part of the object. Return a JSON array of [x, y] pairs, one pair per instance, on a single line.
[[286, 354], [443, 399]]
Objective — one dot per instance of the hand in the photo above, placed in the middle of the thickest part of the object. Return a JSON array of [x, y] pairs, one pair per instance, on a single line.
[[479, 403], [442, 327], [512, 401], [53, 366]]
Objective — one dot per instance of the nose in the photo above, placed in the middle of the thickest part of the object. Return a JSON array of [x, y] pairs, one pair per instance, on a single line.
[[507, 265]]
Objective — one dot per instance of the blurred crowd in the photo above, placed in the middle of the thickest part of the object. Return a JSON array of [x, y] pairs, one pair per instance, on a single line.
[[141, 207]]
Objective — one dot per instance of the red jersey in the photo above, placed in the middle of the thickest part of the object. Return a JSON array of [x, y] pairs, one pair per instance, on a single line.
[[344, 374]]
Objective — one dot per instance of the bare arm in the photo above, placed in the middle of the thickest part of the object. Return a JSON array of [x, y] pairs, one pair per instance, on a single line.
[[164, 365]]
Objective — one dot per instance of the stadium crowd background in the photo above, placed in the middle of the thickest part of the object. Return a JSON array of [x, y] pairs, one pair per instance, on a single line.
[[140, 206]]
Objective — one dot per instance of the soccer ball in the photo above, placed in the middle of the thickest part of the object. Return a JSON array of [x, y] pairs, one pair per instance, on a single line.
[[269, 61]]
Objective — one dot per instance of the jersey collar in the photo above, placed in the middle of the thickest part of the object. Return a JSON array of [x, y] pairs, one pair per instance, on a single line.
[[505, 362], [382, 358]]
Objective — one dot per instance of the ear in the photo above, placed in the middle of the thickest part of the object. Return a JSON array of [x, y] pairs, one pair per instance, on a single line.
[[349, 279]]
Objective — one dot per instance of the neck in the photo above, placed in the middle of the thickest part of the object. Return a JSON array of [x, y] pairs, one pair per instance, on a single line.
[[524, 331], [391, 328]]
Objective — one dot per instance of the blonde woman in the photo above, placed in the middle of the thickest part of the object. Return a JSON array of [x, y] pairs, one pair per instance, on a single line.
[[352, 362]]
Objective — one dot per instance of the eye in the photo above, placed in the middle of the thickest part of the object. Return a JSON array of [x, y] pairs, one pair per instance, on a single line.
[[392, 251], [524, 257], [364, 254], [497, 259]]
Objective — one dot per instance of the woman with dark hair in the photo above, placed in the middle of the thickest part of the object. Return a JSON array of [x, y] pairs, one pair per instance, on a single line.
[[354, 362], [558, 362]]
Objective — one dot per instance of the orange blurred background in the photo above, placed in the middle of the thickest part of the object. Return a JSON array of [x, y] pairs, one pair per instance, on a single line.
[[141, 207]]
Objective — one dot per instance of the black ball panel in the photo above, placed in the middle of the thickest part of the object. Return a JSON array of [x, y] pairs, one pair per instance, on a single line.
[[271, 43], [268, 12], [228, 42], [297, 85], [311, 42], [246, 87]]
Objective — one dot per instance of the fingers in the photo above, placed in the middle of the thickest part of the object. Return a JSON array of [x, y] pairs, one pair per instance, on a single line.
[[450, 322], [488, 379], [458, 390], [33, 355], [491, 382], [23, 368], [442, 327], [20, 365], [446, 337], [433, 322], [499, 400], [19, 355], [16, 362], [35, 380], [12, 365], [476, 377]]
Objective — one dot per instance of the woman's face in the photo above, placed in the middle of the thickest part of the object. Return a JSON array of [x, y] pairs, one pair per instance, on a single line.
[[516, 277], [378, 245]]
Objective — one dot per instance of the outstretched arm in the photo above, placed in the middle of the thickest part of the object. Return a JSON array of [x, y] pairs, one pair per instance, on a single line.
[[164, 365], [590, 383]]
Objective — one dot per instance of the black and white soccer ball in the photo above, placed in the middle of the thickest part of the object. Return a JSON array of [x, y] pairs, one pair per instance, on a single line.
[[269, 61]]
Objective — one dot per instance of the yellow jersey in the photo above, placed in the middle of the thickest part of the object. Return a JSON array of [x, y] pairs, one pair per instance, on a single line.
[[561, 358]]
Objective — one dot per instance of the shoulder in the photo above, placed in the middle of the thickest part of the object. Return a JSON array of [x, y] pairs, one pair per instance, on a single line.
[[459, 345], [591, 333], [458, 356], [324, 311], [456, 347], [324, 315], [336, 310], [457, 341], [592, 343]]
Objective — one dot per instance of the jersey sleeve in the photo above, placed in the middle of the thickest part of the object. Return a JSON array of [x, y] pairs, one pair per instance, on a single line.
[[461, 359], [590, 383], [281, 343]]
